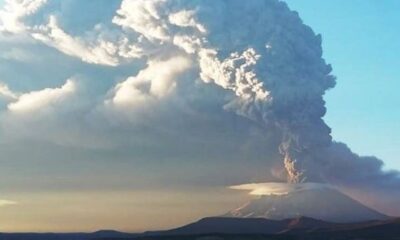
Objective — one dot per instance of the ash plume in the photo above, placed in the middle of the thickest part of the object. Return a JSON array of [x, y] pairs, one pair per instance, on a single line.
[[258, 57], [258, 50]]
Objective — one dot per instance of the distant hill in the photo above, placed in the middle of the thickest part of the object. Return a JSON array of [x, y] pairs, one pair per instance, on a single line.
[[103, 234]]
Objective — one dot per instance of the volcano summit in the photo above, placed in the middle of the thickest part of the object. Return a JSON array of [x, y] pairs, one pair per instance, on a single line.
[[279, 201]]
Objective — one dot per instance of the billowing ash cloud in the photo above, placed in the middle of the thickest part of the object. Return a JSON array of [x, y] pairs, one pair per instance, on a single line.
[[273, 65], [260, 51], [189, 61]]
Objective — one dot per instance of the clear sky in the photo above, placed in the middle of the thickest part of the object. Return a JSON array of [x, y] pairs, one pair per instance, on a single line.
[[113, 112], [361, 40]]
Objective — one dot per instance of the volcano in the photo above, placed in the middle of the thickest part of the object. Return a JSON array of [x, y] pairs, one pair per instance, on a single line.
[[322, 202]]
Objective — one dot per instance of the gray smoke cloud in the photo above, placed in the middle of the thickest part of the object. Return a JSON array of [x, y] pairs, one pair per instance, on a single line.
[[266, 64], [260, 51]]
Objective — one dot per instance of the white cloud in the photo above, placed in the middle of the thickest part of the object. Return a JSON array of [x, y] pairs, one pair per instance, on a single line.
[[4, 203], [186, 18], [13, 12], [99, 52], [234, 73], [155, 82], [42, 99], [6, 93], [95, 51], [275, 188], [144, 17], [180, 29]]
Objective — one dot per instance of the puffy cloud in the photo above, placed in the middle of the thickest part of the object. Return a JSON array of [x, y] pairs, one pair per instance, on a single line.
[[156, 81], [99, 52], [14, 18], [144, 17], [234, 73], [42, 100], [185, 18], [14, 12], [55, 116]]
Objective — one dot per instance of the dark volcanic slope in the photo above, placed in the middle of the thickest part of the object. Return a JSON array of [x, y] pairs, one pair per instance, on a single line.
[[247, 226], [295, 229], [373, 230]]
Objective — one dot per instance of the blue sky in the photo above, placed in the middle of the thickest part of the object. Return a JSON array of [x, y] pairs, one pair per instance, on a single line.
[[362, 42]]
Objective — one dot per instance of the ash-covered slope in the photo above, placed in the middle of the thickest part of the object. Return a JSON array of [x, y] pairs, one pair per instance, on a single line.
[[325, 204]]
